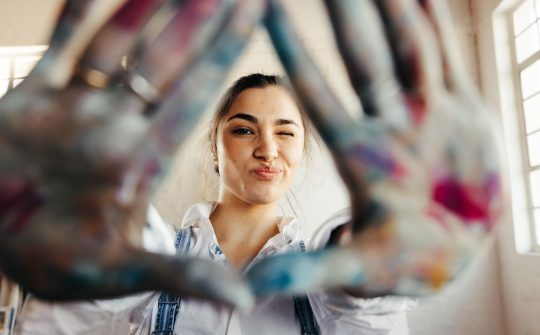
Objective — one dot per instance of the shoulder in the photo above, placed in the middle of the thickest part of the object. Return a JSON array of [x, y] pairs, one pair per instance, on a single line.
[[321, 236], [198, 213], [158, 235]]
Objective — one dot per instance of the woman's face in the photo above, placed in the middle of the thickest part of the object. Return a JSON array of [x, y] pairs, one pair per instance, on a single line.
[[259, 145]]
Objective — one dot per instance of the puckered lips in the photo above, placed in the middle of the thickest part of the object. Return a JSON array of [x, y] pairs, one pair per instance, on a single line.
[[266, 172]]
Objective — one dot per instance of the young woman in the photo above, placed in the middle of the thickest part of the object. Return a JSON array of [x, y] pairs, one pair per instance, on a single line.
[[258, 140]]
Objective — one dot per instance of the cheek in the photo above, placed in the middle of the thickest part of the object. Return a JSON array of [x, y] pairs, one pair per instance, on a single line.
[[294, 154], [230, 154]]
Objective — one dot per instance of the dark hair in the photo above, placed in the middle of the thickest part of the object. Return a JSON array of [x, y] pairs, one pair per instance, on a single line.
[[255, 80]]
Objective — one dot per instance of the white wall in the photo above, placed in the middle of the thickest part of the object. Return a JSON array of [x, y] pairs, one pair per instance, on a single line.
[[27, 22], [520, 271]]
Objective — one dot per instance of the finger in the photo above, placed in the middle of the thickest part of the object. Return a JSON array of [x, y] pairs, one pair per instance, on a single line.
[[118, 36], [305, 272], [328, 115], [422, 249], [417, 60], [187, 36], [456, 76], [78, 23], [140, 23], [177, 114], [360, 151], [362, 43], [90, 269], [184, 276]]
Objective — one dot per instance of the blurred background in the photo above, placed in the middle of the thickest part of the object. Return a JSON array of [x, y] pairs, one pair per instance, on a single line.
[[500, 43]]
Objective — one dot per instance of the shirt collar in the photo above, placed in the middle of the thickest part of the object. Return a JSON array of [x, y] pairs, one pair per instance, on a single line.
[[291, 229], [198, 215]]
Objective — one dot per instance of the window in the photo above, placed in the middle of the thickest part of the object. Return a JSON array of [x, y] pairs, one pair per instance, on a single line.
[[525, 32], [16, 63]]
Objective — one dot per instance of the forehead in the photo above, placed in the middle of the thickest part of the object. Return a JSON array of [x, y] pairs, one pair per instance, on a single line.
[[271, 102]]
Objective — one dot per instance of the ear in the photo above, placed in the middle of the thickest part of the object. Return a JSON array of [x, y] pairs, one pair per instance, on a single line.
[[213, 151], [214, 157]]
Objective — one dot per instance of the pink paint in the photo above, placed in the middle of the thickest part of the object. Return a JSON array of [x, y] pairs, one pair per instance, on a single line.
[[414, 97], [439, 215], [424, 5], [133, 14], [466, 202], [18, 201], [417, 108], [190, 18], [11, 193]]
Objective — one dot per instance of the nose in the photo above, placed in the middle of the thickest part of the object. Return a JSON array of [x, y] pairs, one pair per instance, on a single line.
[[266, 149]]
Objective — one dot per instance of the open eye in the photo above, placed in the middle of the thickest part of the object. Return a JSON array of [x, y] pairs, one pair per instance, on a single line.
[[243, 131]]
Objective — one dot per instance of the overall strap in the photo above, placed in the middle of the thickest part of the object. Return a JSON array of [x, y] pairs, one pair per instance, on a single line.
[[169, 304], [302, 307]]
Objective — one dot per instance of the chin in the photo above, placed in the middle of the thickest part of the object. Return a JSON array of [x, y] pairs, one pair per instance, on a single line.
[[263, 198]]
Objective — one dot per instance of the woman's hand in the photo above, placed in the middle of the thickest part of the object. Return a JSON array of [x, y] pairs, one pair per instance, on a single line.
[[83, 140], [421, 164]]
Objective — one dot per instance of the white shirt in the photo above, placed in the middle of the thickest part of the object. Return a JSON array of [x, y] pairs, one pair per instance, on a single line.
[[335, 311]]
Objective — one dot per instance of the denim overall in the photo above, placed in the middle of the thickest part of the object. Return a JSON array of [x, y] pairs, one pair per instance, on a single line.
[[169, 304]]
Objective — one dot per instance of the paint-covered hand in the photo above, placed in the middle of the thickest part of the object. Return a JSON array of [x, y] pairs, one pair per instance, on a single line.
[[421, 163], [83, 140]]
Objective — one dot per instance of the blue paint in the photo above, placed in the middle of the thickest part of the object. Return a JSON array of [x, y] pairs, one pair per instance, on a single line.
[[377, 159], [89, 276], [300, 273]]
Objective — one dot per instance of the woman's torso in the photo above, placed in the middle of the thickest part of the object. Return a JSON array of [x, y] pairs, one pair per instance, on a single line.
[[334, 311]]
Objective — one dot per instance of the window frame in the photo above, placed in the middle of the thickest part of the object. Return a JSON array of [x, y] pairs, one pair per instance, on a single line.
[[12, 54], [517, 68]]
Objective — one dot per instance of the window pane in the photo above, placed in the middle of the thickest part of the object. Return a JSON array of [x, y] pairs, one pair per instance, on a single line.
[[534, 148], [4, 68], [524, 16], [17, 82], [530, 83], [4, 83], [535, 187], [527, 43], [531, 108], [23, 65]]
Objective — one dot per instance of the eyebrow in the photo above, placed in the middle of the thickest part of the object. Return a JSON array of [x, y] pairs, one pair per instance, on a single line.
[[253, 119]]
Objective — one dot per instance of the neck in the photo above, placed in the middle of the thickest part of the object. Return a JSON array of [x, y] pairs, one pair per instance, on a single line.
[[237, 222]]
